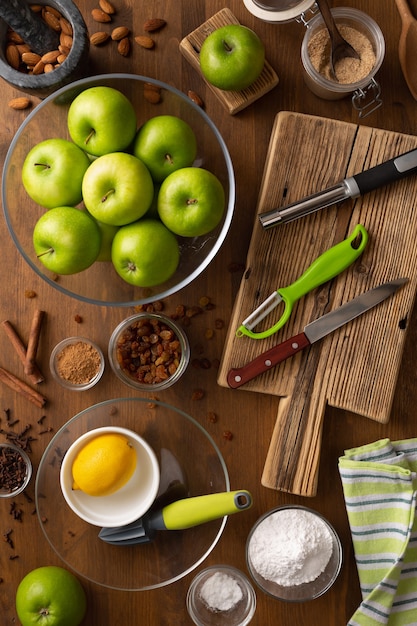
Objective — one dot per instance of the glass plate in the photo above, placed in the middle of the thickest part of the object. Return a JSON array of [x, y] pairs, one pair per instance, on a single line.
[[189, 458]]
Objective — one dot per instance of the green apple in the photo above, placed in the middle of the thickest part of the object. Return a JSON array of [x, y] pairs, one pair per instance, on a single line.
[[145, 253], [191, 201], [66, 240], [165, 143], [232, 57], [50, 596], [53, 171], [117, 188], [102, 120]]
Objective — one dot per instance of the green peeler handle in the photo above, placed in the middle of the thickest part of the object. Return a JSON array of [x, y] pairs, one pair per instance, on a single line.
[[328, 265], [197, 510]]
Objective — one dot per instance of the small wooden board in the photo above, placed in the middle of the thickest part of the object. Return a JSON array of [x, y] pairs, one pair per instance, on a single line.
[[233, 101], [355, 368]]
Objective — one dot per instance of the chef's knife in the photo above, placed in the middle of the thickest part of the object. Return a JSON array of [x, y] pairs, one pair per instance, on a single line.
[[314, 331], [352, 187]]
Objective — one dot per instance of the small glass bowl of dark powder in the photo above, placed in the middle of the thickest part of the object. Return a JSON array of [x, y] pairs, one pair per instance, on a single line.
[[15, 470], [221, 595], [77, 363]]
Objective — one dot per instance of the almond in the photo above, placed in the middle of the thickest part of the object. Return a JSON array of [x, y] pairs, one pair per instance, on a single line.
[[97, 39], [52, 20], [66, 27], [12, 56], [100, 16], [39, 68], [50, 57], [36, 8], [13, 37], [52, 10], [152, 93], [23, 47], [107, 7], [19, 103], [119, 32], [195, 98], [30, 58], [65, 41], [123, 47], [145, 42], [153, 24], [48, 68]]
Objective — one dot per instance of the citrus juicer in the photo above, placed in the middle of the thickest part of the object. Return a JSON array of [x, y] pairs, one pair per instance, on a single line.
[[325, 267]]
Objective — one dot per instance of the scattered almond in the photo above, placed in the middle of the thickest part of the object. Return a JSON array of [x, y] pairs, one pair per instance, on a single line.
[[152, 93], [97, 39], [145, 42], [119, 32], [153, 25], [100, 16], [19, 103], [195, 98], [123, 47], [107, 7]]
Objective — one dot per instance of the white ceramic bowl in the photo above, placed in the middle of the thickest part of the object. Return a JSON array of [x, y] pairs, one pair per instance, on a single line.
[[128, 503]]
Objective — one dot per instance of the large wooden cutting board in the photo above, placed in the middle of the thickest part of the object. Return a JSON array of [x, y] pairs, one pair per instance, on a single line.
[[356, 367]]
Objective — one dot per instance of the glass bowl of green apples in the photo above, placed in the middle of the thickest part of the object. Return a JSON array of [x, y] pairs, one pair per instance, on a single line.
[[118, 190]]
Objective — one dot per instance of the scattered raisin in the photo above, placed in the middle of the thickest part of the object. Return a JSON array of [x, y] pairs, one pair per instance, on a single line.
[[198, 394], [228, 435]]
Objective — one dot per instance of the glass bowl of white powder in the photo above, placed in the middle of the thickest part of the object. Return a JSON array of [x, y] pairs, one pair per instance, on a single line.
[[293, 553], [221, 595]]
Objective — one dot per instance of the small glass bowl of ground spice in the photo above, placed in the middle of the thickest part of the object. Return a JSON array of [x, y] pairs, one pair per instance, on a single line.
[[293, 554], [15, 470], [223, 595], [149, 351], [77, 363]]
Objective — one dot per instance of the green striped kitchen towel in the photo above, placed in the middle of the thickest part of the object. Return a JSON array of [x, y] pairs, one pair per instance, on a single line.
[[380, 484]]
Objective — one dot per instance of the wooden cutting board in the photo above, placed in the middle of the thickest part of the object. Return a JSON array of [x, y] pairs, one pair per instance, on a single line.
[[356, 367]]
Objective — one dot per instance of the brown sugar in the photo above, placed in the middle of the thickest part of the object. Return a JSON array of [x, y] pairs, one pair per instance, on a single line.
[[347, 70], [78, 363]]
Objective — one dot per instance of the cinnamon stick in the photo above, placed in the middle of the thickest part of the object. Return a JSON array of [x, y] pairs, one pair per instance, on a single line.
[[13, 382], [33, 341], [20, 348]]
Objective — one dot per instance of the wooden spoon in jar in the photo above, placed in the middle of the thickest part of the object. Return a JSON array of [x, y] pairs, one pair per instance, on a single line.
[[407, 46], [339, 47]]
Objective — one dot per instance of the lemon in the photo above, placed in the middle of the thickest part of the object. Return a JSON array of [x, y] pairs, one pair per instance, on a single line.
[[104, 464]]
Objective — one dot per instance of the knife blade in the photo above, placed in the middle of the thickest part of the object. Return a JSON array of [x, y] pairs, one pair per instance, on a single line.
[[312, 332], [351, 187]]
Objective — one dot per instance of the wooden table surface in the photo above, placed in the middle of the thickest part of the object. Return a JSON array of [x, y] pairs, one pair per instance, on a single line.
[[250, 417]]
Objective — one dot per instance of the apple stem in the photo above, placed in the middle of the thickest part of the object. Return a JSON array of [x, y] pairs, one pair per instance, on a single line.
[[44, 165], [107, 194], [169, 158], [226, 46], [46, 252], [90, 134]]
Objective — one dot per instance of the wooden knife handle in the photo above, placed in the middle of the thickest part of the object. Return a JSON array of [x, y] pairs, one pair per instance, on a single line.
[[265, 361]]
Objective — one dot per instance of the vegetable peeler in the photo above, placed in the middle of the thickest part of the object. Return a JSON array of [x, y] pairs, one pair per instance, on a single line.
[[324, 268], [178, 515]]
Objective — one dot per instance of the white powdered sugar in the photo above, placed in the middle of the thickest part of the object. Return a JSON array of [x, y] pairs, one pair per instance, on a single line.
[[291, 547], [221, 592]]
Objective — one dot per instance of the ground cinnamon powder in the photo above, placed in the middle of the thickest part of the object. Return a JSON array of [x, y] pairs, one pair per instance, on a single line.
[[78, 363], [347, 70]]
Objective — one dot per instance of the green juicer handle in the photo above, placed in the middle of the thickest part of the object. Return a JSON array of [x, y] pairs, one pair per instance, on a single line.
[[328, 265], [197, 510]]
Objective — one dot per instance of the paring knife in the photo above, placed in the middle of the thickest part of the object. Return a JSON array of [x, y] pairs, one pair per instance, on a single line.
[[314, 331], [352, 187]]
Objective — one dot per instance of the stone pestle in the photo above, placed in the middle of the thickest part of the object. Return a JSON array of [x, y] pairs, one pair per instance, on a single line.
[[29, 25]]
